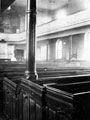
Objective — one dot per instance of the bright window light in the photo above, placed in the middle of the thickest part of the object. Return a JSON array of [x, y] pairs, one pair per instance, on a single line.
[[87, 4], [43, 52], [87, 47], [9, 8], [61, 14], [58, 49]]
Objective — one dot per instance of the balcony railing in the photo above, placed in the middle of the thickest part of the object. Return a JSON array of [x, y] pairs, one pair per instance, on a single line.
[[72, 21], [13, 37], [66, 23]]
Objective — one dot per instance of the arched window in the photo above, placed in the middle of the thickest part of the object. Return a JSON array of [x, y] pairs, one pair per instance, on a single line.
[[87, 46], [59, 49]]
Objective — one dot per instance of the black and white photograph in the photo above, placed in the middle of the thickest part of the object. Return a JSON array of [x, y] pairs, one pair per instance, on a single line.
[[44, 59]]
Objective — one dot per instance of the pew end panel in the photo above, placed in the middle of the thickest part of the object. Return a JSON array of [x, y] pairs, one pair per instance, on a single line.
[[62, 80], [71, 100], [32, 101], [1, 95], [10, 100]]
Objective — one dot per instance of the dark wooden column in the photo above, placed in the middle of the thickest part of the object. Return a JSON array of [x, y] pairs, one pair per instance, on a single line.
[[31, 73]]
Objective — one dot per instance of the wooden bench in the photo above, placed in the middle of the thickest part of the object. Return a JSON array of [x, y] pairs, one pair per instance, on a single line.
[[1, 95], [34, 91], [10, 100], [56, 104], [46, 99], [23, 101], [68, 101], [11, 69]]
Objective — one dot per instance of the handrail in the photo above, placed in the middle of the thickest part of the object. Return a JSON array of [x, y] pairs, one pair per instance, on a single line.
[[69, 22], [13, 37]]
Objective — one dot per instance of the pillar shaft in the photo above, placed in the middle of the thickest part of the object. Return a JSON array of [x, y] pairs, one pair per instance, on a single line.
[[31, 73], [70, 48]]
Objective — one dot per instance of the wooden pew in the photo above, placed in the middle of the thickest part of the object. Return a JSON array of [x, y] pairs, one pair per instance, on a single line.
[[10, 101], [24, 91], [32, 97], [52, 97], [68, 101], [63, 79], [1, 96], [24, 101], [10, 69], [41, 96]]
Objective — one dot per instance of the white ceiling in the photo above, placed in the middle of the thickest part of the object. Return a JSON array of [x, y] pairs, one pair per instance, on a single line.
[[44, 4]]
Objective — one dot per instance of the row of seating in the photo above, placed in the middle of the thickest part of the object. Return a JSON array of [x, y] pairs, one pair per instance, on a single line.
[[52, 96], [10, 69], [59, 98]]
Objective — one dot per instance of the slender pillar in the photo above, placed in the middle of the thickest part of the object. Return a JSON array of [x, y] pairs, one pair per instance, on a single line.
[[31, 73], [47, 50], [70, 55]]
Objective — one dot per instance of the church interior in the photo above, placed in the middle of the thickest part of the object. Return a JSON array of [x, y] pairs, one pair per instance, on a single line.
[[44, 60], [62, 31]]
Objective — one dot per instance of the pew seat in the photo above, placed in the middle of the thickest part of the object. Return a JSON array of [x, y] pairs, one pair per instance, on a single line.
[[68, 101], [10, 101]]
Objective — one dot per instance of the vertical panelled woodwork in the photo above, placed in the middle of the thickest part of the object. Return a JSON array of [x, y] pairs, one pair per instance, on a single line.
[[20, 106], [56, 107], [33, 101], [7, 106], [32, 109], [14, 107], [10, 99], [1, 95], [52, 114], [38, 112], [25, 107]]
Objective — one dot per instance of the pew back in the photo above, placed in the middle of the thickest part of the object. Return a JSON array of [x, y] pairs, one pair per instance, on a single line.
[[68, 101]]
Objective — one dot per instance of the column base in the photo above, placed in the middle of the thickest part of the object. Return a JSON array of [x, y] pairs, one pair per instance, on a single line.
[[31, 76]]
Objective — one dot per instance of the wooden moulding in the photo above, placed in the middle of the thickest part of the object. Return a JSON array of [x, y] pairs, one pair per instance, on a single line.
[[31, 101], [10, 104], [68, 101], [65, 99], [1, 95]]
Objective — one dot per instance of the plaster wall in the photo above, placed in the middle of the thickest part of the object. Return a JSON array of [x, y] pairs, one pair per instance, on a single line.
[[51, 49], [21, 47], [77, 5], [78, 46]]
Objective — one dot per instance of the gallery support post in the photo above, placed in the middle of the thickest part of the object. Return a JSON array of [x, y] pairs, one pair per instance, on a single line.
[[31, 73]]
